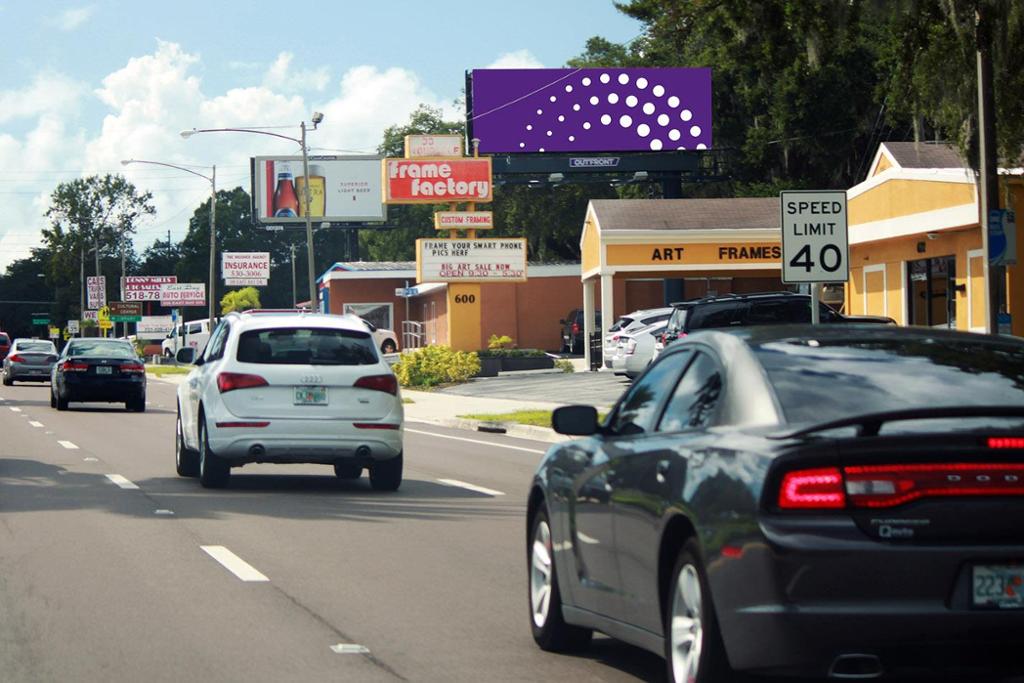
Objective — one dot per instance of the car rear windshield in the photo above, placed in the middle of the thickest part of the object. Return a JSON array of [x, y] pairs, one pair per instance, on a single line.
[[4, 339], [36, 347], [102, 350], [820, 380], [306, 346]]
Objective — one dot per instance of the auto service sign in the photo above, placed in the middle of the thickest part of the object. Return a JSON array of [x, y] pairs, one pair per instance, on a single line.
[[815, 243], [476, 260], [144, 287], [245, 268], [183, 294], [436, 181]]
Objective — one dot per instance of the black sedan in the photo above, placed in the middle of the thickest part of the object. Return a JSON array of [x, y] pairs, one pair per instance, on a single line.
[[817, 501], [105, 370]]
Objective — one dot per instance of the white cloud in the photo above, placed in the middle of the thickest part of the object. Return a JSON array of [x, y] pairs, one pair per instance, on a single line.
[[520, 59], [71, 19], [281, 76], [49, 92]]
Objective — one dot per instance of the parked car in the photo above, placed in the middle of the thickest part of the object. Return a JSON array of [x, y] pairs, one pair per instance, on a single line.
[[194, 334], [796, 500], [5, 344], [386, 340], [762, 308], [573, 340], [629, 323], [289, 387], [29, 360], [98, 370], [636, 350]]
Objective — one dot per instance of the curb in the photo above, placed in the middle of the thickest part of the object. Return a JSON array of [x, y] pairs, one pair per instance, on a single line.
[[507, 428]]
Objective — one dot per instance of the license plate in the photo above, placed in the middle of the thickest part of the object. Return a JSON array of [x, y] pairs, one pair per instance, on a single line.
[[104, 370], [999, 586], [310, 396]]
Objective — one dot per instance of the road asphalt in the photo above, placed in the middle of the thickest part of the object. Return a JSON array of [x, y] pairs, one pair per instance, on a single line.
[[113, 568]]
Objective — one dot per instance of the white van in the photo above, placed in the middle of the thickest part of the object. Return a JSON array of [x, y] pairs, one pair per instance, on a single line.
[[194, 333]]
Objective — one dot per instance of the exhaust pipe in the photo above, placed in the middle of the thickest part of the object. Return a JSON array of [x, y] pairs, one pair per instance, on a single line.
[[363, 452], [856, 666], [256, 450]]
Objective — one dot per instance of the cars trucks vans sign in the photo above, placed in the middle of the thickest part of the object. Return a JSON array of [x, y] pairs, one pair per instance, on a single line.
[[183, 294], [245, 268], [96, 288], [436, 181], [477, 260]]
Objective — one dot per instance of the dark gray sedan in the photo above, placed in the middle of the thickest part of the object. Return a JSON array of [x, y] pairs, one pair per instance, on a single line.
[[833, 501], [29, 360]]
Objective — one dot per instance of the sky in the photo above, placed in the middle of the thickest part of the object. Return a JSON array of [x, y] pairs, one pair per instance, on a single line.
[[87, 84]]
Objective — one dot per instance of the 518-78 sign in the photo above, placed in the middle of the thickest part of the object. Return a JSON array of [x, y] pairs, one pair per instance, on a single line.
[[815, 245]]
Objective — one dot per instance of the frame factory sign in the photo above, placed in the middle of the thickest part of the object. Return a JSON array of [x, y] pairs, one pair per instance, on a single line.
[[436, 180], [477, 260]]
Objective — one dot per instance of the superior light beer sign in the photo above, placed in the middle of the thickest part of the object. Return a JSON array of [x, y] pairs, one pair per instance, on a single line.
[[476, 260], [437, 181]]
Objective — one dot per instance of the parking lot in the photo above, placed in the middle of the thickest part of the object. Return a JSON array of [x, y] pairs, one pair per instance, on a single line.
[[600, 389]]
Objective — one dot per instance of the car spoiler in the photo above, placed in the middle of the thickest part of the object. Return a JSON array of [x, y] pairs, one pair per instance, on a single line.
[[870, 424]]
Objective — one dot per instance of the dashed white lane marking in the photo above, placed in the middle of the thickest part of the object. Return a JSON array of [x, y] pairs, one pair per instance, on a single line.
[[68, 445], [471, 487], [350, 649], [166, 513], [121, 481], [90, 459], [485, 443], [233, 563], [35, 424], [14, 409]]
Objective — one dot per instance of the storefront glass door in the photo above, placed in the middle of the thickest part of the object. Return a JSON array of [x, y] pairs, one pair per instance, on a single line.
[[931, 291]]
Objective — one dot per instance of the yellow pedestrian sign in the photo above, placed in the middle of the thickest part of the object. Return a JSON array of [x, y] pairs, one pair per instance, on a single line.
[[103, 316]]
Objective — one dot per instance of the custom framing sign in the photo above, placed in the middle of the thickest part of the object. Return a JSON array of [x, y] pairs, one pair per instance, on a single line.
[[466, 260], [463, 220]]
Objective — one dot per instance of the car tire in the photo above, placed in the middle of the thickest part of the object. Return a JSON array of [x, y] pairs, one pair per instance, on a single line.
[[547, 622], [344, 470], [572, 346], [137, 405], [62, 401], [53, 399], [386, 475], [388, 346], [186, 460], [8, 382], [694, 651], [214, 472]]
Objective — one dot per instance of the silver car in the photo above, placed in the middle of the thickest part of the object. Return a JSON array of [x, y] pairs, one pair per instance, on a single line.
[[29, 360]]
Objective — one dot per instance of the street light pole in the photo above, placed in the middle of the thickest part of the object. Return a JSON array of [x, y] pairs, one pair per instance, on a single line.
[[212, 179], [301, 141]]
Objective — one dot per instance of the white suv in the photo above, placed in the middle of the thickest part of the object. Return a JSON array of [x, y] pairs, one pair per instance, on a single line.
[[289, 387]]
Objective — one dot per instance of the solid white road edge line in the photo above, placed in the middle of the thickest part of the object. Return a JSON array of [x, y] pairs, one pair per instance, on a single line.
[[233, 563], [16, 410], [486, 443], [35, 424], [121, 481], [471, 487], [68, 445], [350, 649]]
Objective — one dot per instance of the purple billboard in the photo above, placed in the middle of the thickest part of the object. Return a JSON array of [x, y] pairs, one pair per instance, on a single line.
[[591, 110]]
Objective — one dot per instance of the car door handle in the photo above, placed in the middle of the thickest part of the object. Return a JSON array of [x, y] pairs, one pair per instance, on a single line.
[[662, 469]]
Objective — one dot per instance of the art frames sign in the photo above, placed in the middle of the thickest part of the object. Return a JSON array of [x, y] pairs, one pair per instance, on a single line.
[[183, 294], [695, 256], [464, 220], [591, 110], [477, 260], [245, 268], [433, 146], [437, 181], [144, 287], [343, 189], [96, 290]]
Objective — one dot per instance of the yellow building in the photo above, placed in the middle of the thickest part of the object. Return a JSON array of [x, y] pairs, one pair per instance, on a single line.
[[916, 243]]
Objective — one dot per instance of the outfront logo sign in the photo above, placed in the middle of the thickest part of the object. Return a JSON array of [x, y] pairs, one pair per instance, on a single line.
[[435, 181]]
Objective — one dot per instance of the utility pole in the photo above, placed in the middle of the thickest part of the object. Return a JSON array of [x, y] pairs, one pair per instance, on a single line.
[[213, 244], [988, 190], [295, 301], [81, 284]]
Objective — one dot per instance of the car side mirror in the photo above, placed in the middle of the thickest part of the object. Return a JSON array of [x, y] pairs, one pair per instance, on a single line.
[[186, 356], [575, 420]]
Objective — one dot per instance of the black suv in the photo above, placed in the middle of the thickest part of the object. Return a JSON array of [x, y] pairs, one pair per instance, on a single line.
[[572, 330], [741, 310]]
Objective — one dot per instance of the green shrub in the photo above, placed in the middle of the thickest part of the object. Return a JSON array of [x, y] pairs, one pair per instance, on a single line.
[[565, 365], [511, 353], [435, 364], [496, 342]]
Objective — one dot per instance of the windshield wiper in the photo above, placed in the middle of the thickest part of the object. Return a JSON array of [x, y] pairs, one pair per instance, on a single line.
[[869, 424]]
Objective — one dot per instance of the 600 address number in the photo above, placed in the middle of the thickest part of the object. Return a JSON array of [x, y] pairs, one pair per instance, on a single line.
[[465, 298]]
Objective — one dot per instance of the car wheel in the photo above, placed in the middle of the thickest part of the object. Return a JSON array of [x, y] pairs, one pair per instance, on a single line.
[[694, 652], [168, 354], [53, 399], [137, 405], [546, 620], [572, 346], [388, 346], [344, 470], [62, 401], [214, 472], [186, 460], [8, 381], [386, 475]]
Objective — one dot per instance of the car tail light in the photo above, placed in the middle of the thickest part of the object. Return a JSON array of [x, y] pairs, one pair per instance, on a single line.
[[1006, 442], [883, 486], [132, 369], [386, 383], [630, 346], [230, 381], [575, 328], [816, 489], [74, 366], [15, 358], [375, 425]]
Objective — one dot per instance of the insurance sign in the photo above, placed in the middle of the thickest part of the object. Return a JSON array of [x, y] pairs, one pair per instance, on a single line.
[[245, 268], [815, 243]]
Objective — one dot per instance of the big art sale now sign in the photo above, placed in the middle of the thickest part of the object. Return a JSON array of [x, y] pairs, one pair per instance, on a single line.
[[476, 260], [436, 181]]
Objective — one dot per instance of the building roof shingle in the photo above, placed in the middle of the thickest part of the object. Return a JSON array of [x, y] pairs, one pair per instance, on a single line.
[[744, 213], [925, 154]]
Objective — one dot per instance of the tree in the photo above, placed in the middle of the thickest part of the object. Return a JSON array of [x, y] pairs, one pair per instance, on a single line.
[[240, 300]]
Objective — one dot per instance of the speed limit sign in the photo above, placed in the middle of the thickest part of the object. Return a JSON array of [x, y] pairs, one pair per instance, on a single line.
[[815, 245]]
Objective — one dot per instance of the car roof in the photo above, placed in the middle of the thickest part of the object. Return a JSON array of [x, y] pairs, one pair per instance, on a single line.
[[270, 319]]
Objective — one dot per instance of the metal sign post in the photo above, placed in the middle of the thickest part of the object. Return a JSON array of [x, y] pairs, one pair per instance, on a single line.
[[815, 241]]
